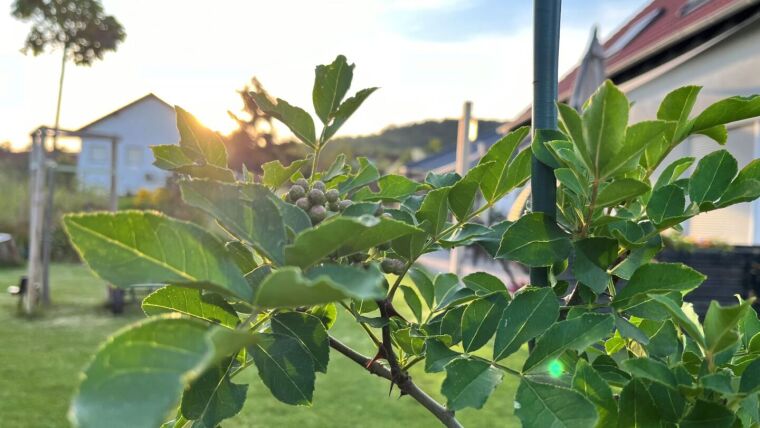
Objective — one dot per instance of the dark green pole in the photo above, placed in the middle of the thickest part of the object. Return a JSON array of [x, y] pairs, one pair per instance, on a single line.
[[546, 19]]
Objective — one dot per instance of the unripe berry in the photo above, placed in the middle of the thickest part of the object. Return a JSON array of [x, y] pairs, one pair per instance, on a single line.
[[394, 266], [319, 185], [296, 192], [333, 206], [379, 211], [303, 183], [304, 204], [332, 195], [317, 213], [342, 205], [316, 196]]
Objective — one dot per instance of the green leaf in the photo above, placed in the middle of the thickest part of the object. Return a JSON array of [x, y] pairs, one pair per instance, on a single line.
[[442, 180], [424, 285], [673, 171], [676, 107], [657, 278], [213, 397], [275, 174], [638, 137], [712, 177], [133, 247], [346, 110], [576, 334], [438, 355], [666, 205], [570, 180], [392, 188], [750, 380], [463, 194], [535, 240], [572, 124], [494, 182], [137, 377], [604, 126], [451, 324], [540, 405], [468, 234], [343, 236], [664, 342], [531, 312], [708, 414], [591, 385], [726, 111], [284, 367], [721, 325], [445, 285], [366, 174], [749, 326], [294, 218], [242, 255], [480, 319], [257, 220], [620, 190], [469, 383], [331, 83], [745, 187], [647, 368], [483, 283], [289, 287], [593, 257], [199, 142], [680, 318], [209, 307], [434, 210], [336, 168], [630, 331], [719, 382], [295, 118], [173, 158], [309, 332], [411, 299], [637, 408]]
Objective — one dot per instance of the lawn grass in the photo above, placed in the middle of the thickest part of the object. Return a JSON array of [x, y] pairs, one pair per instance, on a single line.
[[40, 360]]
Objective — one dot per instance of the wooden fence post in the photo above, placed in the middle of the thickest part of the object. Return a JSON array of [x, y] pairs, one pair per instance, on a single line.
[[462, 165]]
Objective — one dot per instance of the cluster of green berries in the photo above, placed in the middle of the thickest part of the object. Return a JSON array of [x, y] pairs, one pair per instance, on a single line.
[[316, 200]]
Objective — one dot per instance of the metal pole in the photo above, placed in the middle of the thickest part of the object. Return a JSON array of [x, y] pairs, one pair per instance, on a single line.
[[461, 167], [36, 208], [546, 22], [60, 97]]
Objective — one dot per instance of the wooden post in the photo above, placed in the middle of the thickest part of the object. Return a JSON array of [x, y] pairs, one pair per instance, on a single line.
[[114, 196], [546, 22], [36, 209], [461, 167]]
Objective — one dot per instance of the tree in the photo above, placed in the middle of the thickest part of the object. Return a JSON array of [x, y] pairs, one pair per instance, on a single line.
[[254, 142], [79, 28], [614, 346]]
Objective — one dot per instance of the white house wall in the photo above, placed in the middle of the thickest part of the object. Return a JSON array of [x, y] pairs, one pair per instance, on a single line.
[[731, 67], [146, 123]]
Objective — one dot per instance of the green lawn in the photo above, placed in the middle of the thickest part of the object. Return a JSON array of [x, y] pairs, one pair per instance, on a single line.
[[40, 360]]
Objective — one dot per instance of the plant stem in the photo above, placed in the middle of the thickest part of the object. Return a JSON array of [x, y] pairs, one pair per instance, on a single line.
[[497, 365], [407, 386], [369, 332]]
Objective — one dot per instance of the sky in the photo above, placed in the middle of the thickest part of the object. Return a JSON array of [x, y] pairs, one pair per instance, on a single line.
[[427, 56]]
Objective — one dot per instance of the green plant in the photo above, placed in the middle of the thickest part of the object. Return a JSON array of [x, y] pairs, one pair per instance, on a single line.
[[604, 354]]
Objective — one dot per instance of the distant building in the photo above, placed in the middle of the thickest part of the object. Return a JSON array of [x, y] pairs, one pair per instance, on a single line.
[[140, 124], [672, 43]]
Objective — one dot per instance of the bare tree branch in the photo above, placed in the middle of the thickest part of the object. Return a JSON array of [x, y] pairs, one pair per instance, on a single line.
[[406, 385]]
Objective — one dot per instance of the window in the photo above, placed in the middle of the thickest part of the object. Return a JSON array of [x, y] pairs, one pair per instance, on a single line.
[[633, 31], [98, 153], [133, 156], [690, 6]]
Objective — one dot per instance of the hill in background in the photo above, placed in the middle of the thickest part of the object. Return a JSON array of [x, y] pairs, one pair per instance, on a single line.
[[397, 145]]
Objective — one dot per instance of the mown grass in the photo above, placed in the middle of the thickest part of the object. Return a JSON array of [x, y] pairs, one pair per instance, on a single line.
[[40, 360]]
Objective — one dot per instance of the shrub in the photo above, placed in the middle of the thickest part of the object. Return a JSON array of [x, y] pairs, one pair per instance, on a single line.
[[616, 347]]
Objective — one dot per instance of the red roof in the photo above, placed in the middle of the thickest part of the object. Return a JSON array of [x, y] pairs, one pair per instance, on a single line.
[[669, 24]]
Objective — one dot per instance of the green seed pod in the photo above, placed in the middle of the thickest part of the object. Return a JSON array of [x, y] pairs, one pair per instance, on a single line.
[[296, 192], [342, 205], [319, 185], [317, 213], [303, 183], [304, 204], [317, 197], [332, 195]]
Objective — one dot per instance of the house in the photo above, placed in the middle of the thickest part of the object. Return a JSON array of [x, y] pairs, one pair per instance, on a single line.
[[671, 43], [140, 124]]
